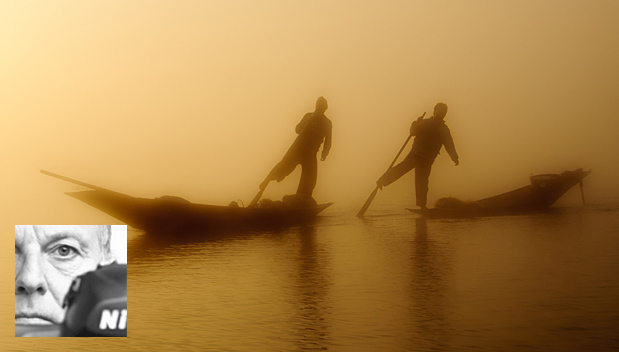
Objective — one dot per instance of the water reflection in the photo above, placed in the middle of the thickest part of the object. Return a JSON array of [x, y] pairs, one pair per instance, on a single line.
[[389, 283], [432, 265], [281, 279], [156, 247], [312, 283]]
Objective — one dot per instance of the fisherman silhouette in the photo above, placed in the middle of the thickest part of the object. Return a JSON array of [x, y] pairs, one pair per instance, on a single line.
[[430, 135], [313, 130]]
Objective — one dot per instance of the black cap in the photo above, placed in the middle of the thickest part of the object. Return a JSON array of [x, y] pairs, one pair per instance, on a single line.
[[96, 303]]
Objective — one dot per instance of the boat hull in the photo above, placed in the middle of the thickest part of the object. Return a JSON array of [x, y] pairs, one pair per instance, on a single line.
[[538, 196], [166, 214]]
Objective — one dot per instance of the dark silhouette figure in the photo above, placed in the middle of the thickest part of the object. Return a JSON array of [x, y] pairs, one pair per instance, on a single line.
[[430, 135], [313, 129]]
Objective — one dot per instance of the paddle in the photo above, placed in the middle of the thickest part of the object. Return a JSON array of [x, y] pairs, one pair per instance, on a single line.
[[367, 203], [256, 198]]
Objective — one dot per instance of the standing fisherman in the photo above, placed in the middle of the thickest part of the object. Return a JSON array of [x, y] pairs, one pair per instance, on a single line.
[[430, 135], [313, 129]]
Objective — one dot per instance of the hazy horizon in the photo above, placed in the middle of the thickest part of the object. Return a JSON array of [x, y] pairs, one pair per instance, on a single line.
[[200, 99]]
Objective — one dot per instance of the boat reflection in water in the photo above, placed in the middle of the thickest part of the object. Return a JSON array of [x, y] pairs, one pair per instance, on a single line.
[[390, 282], [276, 282]]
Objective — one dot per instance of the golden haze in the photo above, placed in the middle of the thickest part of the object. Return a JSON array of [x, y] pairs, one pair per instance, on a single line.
[[199, 99]]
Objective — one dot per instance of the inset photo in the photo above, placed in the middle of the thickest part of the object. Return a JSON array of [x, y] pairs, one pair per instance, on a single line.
[[70, 280]]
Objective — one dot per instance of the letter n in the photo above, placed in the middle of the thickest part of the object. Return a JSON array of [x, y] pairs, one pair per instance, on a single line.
[[109, 319]]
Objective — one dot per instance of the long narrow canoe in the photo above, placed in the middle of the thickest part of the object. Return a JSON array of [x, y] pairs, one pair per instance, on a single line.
[[171, 214], [542, 192]]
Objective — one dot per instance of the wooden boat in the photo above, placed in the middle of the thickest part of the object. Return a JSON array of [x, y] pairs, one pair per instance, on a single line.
[[172, 214], [542, 192]]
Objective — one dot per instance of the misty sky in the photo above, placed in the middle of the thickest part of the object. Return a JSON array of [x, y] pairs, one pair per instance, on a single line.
[[200, 98]]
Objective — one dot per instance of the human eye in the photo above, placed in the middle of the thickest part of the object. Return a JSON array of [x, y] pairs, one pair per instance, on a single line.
[[64, 252]]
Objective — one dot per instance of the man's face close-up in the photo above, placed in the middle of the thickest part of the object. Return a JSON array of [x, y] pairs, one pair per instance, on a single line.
[[47, 259]]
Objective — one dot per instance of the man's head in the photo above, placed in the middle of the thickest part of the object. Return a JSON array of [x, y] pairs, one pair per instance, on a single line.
[[321, 105], [47, 259], [440, 110]]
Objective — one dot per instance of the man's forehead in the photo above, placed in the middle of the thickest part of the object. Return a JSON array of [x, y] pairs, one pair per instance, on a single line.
[[84, 232]]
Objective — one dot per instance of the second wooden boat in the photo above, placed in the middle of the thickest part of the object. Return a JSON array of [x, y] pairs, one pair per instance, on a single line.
[[542, 192]]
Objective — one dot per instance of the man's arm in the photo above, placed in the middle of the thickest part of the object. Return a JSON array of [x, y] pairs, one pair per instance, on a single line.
[[327, 146], [449, 146]]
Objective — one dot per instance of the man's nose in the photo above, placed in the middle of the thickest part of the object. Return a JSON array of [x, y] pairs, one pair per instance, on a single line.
[[30, 279]]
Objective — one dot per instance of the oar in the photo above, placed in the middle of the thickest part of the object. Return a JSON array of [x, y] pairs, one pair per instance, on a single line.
[[367, 203], [256, 198]]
